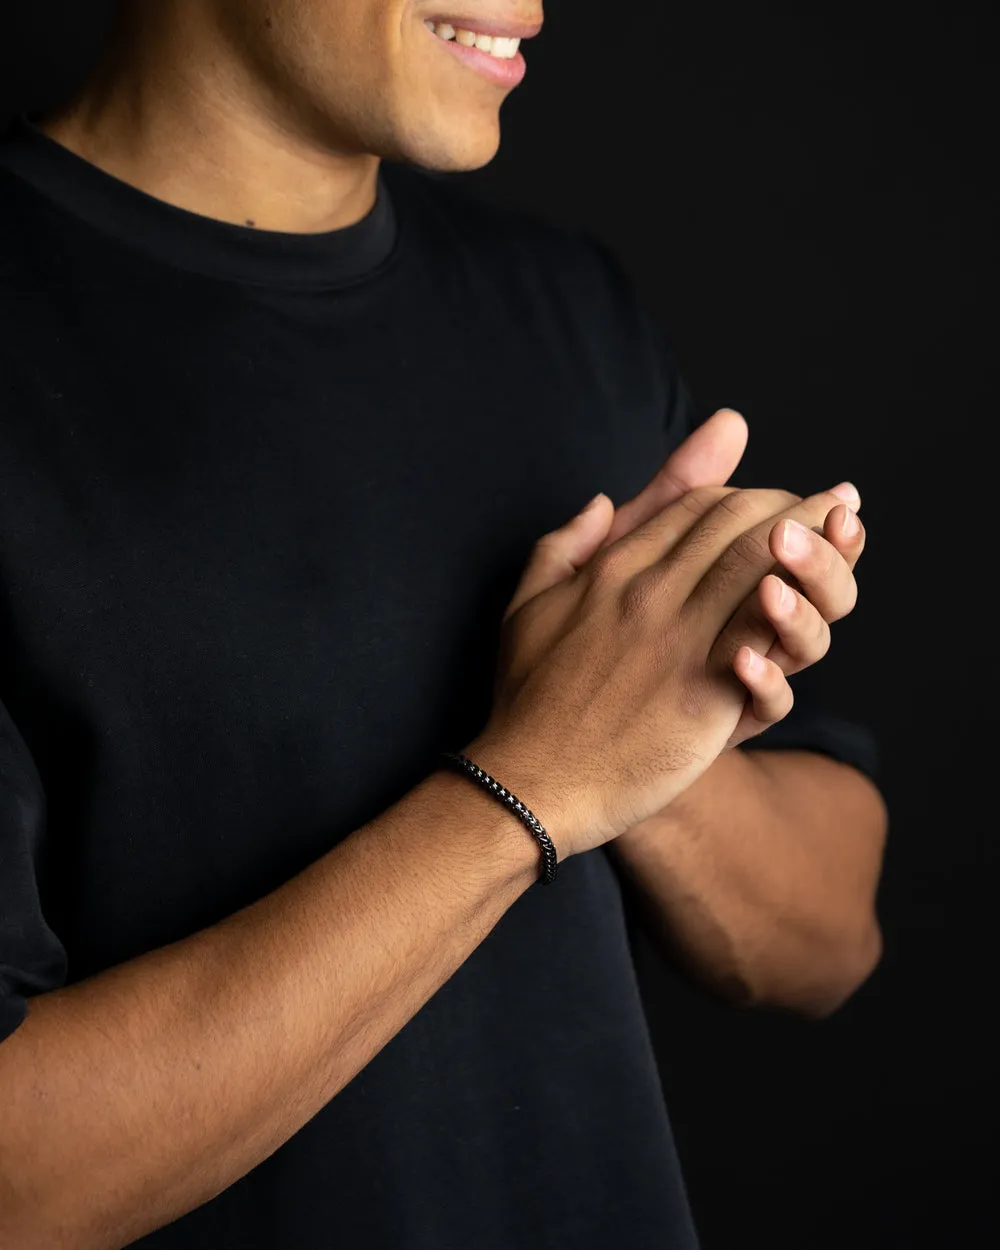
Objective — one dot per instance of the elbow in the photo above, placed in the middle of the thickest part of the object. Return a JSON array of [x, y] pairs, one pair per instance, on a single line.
[[831, 976]]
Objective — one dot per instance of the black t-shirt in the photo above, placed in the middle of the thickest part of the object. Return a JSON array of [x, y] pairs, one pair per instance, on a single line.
[[263, 500]]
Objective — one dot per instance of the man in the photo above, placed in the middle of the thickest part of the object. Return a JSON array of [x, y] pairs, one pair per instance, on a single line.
[[283, 418]]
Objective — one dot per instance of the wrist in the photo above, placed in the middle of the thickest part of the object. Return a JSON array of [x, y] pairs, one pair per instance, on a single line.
[[493, 844], [526, 781]]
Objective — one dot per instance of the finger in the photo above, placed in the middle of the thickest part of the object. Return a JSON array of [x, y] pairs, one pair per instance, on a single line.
[[707, 457], [771, 695], [833, 527], [643, 551], [821, 571], [656, 537], [849, 494], [802, 634], [560, 553], [843, 529], [741, 549], [780, 623]]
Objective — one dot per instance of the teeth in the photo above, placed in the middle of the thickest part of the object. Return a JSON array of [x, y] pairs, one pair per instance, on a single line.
[[495, 45]]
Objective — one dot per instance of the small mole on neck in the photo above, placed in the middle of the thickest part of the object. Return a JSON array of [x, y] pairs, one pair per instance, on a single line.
[[250, 223]]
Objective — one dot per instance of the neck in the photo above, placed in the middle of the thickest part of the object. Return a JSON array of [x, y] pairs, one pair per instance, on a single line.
[[173, 110]]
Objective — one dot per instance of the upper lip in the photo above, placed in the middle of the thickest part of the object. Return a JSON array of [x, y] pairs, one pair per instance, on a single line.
[[489, 25]]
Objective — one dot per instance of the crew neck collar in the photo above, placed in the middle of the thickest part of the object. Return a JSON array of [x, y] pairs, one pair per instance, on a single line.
[[191, 240]]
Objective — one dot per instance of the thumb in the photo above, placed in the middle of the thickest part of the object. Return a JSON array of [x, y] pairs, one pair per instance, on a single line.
[[560, 553], [707, 457]]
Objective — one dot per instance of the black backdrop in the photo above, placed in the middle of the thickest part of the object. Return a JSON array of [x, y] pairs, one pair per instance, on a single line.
[[801, 194]]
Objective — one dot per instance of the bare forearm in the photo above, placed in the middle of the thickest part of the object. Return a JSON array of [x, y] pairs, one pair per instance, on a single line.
[[134, 1096], [760, 878]]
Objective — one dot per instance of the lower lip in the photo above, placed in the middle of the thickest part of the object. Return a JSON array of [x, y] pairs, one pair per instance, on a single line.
[[505, 73]]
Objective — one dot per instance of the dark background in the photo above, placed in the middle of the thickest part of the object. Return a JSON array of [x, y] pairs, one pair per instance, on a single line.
[[802, 196]]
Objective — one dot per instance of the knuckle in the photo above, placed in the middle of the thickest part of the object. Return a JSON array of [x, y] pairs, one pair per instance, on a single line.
[[701, 499], [746, 556], [750, 506], [741, 504], [607, 566], [636, 599], [749, 549]]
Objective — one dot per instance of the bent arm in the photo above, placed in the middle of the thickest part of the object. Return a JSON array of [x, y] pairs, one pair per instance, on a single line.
[[134, 1096], [760, 879]]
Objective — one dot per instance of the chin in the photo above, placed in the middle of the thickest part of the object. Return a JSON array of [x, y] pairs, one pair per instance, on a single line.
[[456, 157], [446, 149]]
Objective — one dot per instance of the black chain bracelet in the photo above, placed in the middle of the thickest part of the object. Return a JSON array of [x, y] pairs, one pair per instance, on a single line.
[[549, 858]]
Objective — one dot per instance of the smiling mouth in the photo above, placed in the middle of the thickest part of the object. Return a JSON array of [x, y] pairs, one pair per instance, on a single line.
[[499, 46]]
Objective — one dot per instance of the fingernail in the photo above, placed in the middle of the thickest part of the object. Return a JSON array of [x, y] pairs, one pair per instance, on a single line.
[[795, 538], [754, 663], [593, 503], [787, 600], [851, 525], [848, 492]]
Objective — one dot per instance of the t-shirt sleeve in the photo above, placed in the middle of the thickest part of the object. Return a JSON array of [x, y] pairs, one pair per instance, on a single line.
[[812, 724], [32, 959]]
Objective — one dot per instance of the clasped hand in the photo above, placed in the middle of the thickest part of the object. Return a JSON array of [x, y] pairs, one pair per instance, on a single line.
[[783, 626], [643, 641]]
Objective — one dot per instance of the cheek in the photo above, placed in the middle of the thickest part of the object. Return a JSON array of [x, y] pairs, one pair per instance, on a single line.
[[340, 55]]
